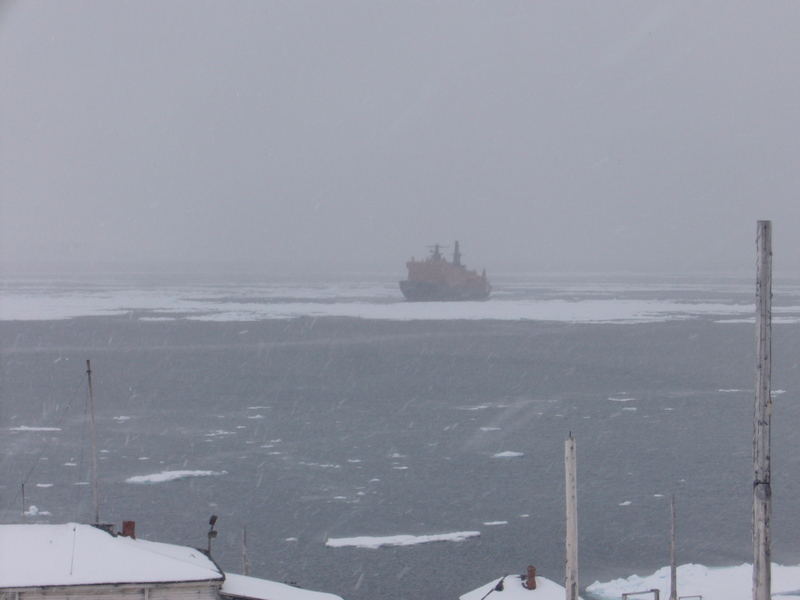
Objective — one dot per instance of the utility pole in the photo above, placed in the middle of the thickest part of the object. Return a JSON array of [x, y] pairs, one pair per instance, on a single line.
[[762, 492], [570, 467], [245, 559], [673, 564]]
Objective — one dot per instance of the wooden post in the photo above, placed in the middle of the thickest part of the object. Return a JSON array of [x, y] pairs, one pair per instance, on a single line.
[[94, 444], [762, 492], [570, 465], [673, 564]]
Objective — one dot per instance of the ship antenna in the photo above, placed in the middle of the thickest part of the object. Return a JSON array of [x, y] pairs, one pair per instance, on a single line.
[[457, 256]]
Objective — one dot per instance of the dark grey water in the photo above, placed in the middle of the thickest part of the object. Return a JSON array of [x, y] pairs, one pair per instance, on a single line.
[[338, 427]]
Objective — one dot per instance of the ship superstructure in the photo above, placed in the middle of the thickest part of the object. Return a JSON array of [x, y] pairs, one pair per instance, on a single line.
[[435, 278]]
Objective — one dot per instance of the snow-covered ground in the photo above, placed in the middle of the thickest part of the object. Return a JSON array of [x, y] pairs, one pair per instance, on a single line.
[[723, 583], [511, 587]]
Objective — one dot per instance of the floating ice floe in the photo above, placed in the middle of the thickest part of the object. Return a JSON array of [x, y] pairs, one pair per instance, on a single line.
[[399, 540], [171, 476], [33, 511], [508, 454], [208, 304], [26, 428], [712, 583]]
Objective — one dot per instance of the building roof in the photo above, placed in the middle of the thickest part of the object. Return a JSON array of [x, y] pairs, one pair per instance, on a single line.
[[75, 554], [240, 586]]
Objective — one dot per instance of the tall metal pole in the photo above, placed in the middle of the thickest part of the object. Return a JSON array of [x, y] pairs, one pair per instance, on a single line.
[[673, 563], [570, 467], [94, 444], [762, 492]]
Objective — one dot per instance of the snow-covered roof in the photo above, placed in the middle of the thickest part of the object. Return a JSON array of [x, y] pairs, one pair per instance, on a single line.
[[240, 586], [513, 590], [74, 554]]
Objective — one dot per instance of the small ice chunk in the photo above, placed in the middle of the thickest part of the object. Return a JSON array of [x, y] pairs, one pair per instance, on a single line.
[[171, 476], [27, 428], [399, 540]]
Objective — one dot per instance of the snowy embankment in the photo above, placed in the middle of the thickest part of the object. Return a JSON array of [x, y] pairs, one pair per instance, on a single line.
[[722, 583], [399, 540]]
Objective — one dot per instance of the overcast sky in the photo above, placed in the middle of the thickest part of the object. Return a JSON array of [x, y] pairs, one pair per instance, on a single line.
[[558, 136]]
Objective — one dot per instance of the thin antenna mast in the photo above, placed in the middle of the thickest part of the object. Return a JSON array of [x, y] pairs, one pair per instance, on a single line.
[[94, 443]]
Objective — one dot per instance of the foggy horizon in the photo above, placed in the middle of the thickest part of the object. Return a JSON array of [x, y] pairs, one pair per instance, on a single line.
[[316, 137]]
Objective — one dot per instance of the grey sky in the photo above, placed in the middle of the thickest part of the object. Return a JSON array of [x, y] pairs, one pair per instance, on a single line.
[[542, 135]]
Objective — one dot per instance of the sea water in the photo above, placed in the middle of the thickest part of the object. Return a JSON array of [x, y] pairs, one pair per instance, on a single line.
[[311, 412]]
